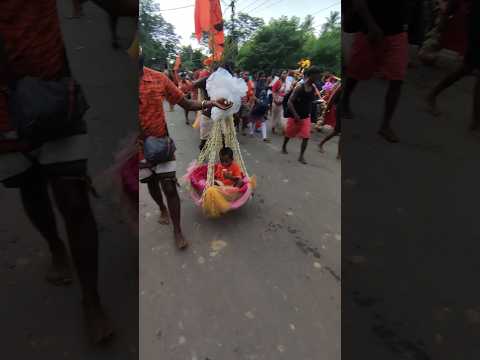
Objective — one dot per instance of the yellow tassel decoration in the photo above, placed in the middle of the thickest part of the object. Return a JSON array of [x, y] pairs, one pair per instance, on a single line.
[[214, 203], [253, 182]]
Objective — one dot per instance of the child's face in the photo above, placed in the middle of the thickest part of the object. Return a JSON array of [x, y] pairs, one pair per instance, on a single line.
[[226, 160]]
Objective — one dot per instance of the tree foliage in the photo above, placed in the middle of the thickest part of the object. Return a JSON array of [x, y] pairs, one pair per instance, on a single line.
[[245, 27], [157, 36], [283, 42], [332, 22], [277, 45], [280, 44], [191, 59], [325, 51]]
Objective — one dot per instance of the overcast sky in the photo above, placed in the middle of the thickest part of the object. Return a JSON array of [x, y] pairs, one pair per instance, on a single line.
[[183, 19]]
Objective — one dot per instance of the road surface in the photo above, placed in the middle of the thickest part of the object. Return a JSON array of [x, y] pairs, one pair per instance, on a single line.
[[260, 283], [409, 214]]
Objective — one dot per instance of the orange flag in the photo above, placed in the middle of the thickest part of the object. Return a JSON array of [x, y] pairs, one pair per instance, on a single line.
[[208, 18], [202, 17], [216, 18]]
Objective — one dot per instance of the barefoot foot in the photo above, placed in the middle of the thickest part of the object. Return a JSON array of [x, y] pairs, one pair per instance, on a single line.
[[99, 326], [164, 218], [180, 241], [389, 135]]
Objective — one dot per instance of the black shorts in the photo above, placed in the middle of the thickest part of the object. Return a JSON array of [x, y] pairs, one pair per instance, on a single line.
[[171, 176], [74, 169]]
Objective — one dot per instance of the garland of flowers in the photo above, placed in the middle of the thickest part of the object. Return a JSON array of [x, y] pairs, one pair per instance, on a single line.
[[223, 130]]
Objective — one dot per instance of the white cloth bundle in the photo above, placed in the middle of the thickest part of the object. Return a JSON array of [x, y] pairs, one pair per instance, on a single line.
[[221, 84]]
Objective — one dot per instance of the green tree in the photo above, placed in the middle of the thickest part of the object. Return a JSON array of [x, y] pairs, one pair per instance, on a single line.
[[157, 37], [191, 59], [284, 41], [307, 25], [245, 27], [325, 51], [278, 45], [332, 22]]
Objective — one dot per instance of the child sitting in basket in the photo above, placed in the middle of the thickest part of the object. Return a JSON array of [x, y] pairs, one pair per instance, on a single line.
[[228, 172]]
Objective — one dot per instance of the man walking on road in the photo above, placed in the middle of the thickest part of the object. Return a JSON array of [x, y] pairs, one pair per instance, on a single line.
[[470, 64], [154, 88], [247, 102], [32, 44], [300, 109], [381, 45]]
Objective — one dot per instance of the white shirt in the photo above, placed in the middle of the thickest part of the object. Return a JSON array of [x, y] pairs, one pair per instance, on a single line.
[[288, 83]]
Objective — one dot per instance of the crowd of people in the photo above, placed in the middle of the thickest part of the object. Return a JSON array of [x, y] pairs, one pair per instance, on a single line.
[[264, 108], [284, 103]]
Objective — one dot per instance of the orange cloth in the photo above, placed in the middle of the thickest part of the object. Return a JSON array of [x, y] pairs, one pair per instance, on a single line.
[[250, 89], [248, 98], [209, 19], [202, 17], [220, 171], [154, 88], [33, 40]]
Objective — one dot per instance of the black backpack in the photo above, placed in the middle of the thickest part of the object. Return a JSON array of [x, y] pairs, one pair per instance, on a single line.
[[43, 110], [286, 110]]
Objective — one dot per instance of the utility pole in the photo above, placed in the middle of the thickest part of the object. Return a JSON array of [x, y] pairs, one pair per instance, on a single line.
[[234, 34]]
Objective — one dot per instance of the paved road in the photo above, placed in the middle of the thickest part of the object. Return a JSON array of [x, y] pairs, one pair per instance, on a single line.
[[44, 322], [272, 290], [409, 216]]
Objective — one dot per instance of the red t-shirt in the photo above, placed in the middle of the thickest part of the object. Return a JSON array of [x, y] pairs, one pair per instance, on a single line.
[[220, 170], [277, 86], [33, 41], [154, 88], [250, 92], [203, 74]]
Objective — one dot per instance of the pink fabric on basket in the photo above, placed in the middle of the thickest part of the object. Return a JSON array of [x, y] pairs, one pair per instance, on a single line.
[[196, 176]]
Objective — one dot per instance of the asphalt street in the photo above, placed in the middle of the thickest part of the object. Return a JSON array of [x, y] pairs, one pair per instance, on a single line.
[[260, 283], [45, 322], [409, 214]]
